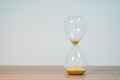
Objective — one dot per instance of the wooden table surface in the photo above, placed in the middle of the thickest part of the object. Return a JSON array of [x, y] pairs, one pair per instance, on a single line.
[[57, 73]]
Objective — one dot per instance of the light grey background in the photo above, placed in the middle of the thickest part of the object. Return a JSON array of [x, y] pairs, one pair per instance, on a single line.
[[32, 33]]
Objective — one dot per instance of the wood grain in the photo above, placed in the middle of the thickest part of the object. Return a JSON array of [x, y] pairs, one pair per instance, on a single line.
[[57, 73]]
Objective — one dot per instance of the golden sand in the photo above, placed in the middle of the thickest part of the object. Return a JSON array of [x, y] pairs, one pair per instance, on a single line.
[[75, 42], [75, 70]]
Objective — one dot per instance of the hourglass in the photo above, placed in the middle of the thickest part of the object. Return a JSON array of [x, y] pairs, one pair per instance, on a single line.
[[75, 28]]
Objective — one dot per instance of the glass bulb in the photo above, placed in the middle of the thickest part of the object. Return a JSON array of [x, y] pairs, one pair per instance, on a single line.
[[75, 28]]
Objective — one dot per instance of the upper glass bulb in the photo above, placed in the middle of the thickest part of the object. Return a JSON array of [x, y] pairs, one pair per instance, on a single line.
[[75, 28]]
